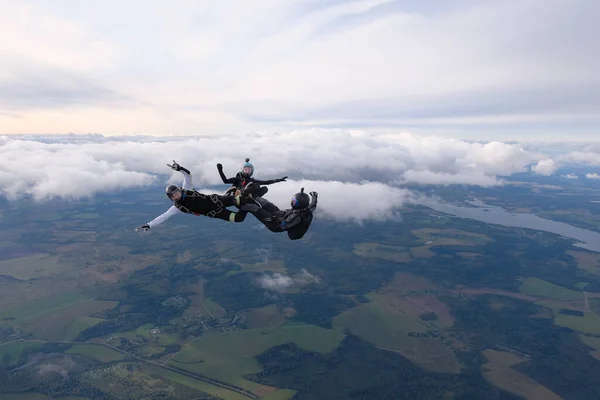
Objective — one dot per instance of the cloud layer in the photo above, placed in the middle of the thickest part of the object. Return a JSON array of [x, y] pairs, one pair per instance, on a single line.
[[196, 67], [358, 175]]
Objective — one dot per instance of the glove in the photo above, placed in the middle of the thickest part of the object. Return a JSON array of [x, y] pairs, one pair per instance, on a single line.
[[175, 166], [314, 194], [219, 166], [144, 227], [282, 179]]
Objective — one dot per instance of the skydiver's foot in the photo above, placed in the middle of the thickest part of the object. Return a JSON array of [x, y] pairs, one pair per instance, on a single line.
[[251, 200], [261, 192], [239, 201], [251, 190]]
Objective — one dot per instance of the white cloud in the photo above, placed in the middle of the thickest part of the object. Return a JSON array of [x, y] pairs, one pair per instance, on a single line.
[[592, 176], [196, 67], [570, 176], [356, 164], [281, 283], [588, 156], [345, 201], [545, 167], [275, 282]]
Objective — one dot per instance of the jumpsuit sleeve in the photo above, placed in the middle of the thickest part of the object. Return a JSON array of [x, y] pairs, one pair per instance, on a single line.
[[313, 203], [163, 217], [224, 178], [187, 179], [267, 182]]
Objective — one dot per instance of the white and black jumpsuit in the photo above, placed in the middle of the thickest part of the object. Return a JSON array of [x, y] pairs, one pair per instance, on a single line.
[[196, 203]]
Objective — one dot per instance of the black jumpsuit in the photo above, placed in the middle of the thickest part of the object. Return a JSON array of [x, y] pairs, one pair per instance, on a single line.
[[239, 181], [294, 222], [196, 203], [210, 205]]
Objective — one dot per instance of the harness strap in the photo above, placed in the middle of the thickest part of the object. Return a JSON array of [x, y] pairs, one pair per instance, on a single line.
[[215, 199], [212, 213]]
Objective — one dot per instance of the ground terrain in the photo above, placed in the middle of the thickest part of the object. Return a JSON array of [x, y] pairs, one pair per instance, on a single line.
[[89, 309]]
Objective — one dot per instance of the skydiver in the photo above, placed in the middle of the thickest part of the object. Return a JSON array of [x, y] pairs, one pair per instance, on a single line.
[[244, 177], [189, 201], [295, 221]]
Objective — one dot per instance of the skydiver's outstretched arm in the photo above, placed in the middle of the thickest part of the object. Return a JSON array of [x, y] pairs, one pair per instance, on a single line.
[[223, 177], [160, 219], [164, 216], [270, 181], [187, 176], [187, 179], [313, 201]]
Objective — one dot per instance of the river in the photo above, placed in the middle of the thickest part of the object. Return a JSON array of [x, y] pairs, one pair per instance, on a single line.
[[480, 211]]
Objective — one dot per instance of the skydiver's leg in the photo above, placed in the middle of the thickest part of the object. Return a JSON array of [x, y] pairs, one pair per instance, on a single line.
[[260, 193], [255, 190], [264, 216], [230, 216], [267, 205], [268, 220], [228, 200]]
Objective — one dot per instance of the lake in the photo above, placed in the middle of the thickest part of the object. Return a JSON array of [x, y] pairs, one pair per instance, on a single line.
[[480, 211]]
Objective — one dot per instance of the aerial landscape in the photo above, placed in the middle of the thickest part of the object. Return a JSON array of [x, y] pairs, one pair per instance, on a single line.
[[454, 251]]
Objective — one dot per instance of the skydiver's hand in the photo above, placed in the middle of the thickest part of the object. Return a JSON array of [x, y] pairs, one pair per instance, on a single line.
[[282, 179], [314, 194], [175, 166], [220, 167], [144, 227]]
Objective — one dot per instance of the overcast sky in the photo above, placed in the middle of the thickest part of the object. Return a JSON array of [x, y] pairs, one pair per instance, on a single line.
[[495, 70]]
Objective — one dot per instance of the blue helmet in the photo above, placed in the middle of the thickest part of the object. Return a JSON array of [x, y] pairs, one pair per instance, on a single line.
[[247, 168], [300, 200]]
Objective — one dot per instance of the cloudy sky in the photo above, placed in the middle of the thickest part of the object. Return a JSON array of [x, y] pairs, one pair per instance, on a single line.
[[493, 70]]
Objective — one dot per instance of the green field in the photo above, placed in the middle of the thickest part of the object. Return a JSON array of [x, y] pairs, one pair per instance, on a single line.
[[34, 266], [229, 356], [172, 376], [37, 396], [594, 343], [282, 394], [385, 325], [40, 307], [158, 339], [98, 352], [12, 352], [589, 323], [151, 344], [73, 329], [212, 307], [385, 252], [60, 317], [540, 288]]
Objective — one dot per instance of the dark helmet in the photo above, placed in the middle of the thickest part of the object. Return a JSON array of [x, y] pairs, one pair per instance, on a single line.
[[300, 200], [172, 189], [247, 168]]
